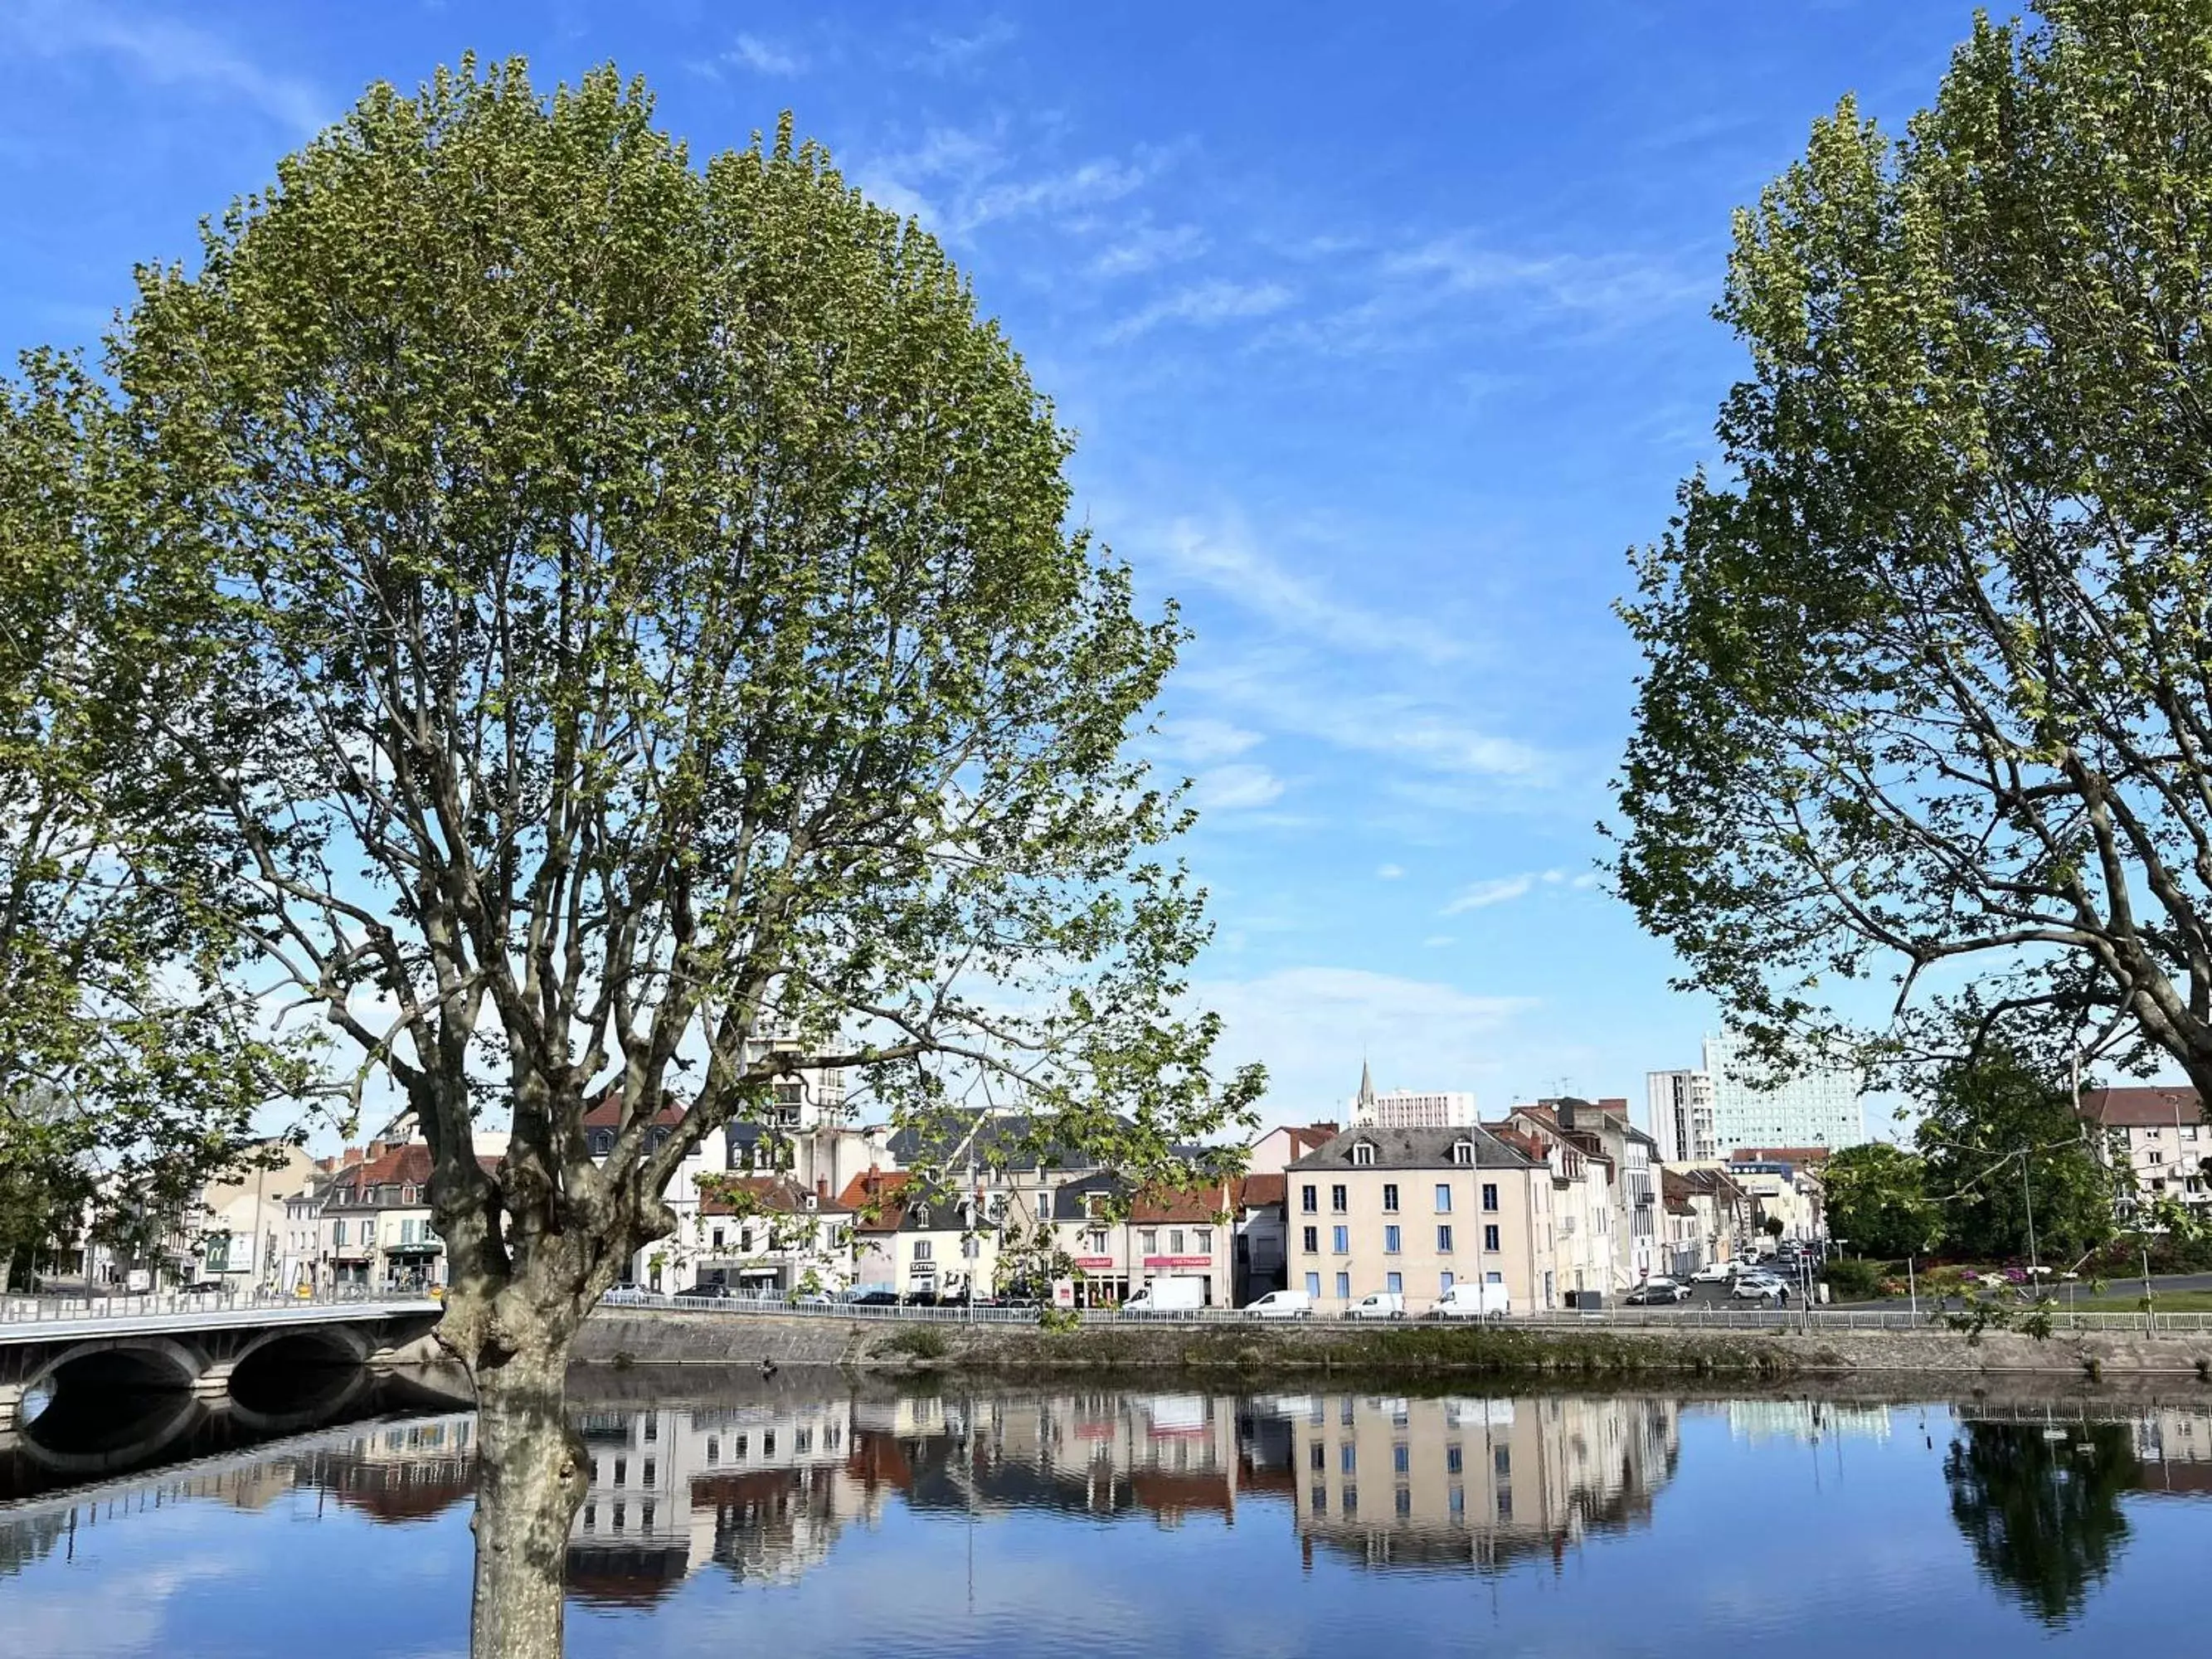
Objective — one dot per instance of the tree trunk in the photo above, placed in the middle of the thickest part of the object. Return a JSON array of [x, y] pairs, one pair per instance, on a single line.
[[530, 1478]]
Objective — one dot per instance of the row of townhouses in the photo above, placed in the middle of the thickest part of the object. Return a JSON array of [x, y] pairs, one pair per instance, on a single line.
[[1559, 1198]]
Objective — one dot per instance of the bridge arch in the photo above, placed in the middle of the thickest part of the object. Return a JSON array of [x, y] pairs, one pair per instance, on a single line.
[[151, 1362]]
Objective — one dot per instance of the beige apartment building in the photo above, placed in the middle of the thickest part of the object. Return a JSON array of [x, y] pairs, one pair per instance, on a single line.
[[1608, 1172], [1415, 1211], [2156, 1134]]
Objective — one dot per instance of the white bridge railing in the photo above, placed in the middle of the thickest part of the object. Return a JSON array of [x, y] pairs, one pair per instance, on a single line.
[[1771, 1321], [39, 1310]]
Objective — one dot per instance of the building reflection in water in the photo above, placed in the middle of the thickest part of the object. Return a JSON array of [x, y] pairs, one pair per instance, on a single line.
[[1465, 1483], [1807, 1421], [763, 1488]]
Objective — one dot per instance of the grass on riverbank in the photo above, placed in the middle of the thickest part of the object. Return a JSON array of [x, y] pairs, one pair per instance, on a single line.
[[2119, 1299]]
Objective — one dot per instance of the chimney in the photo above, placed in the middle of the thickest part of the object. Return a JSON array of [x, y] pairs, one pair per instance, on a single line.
[[376, 1150], [352, 1156], [822, 1189]]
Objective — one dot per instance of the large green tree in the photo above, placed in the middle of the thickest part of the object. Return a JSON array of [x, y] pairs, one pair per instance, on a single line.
[[1929, 694], [1875, 1200], [651, 586], [2010, 1166], [132, 1057]]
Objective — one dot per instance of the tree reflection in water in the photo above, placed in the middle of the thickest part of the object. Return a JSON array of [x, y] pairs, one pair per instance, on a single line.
[[2042, 1515]]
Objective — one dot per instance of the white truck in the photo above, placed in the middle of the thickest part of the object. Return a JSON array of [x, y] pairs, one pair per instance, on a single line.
[[1170, 1294]]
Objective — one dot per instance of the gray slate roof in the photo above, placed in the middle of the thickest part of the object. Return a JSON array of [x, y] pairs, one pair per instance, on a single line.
[[1413, 1149]]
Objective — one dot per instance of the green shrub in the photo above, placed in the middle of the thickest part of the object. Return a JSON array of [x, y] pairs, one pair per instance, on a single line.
[[915, 1342], [1856, 1280]]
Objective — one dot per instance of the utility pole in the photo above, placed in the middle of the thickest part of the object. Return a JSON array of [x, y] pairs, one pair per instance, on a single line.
[[2034, 1263]]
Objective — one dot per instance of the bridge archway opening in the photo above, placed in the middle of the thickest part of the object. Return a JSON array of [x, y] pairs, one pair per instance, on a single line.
[[299, 1370], [134, 1368], [109, 1406]]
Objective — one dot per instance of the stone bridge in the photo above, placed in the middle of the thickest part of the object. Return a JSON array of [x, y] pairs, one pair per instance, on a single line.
[[194, 1349]]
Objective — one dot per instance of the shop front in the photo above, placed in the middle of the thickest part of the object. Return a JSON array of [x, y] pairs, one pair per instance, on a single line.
[[1103, 1284], [413, 1266]]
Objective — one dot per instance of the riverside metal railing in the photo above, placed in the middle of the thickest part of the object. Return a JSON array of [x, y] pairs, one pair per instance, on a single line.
[[121, 1304], [1769, 1321]]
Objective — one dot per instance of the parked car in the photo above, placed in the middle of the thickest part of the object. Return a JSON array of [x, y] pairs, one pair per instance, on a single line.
[[1760, 1287], [1714, 1272], [1383, 1305], [1472, 1301], [1281, 1304], [703, 1293], [814, 1299], [1657, 1293], [628, 1293], [876, 1295]]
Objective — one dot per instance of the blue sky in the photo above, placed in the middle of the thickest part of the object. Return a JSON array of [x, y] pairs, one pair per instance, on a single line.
[[1385, 333]]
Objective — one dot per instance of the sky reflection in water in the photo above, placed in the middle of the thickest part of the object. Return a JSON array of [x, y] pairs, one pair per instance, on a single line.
[[805, 1519]]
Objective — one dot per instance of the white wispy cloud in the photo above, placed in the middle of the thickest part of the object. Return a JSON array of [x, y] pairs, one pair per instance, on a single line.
[[1201, 739], [1203, 305], [164, 52], [1432, 736], [947, 52], [1388, 872], [1146, 246], [1086, 185], [751, 52], [1310, 1025], [958, 180], [1234, 787], [1500, 889], [1223, 554], [1481, 894], [1610, 288]]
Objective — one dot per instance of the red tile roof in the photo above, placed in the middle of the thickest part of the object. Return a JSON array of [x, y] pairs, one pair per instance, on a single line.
[[1253, 1191], [777, 1193], [1199, 1204], [2146, 1107], [406, 1164], [877, 1190], [606, 1113], [1781, 1155], [1520, 1140]]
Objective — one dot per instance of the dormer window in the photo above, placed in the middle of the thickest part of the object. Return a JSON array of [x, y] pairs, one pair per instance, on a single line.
[[921, 1215], [407, 1195], [1463, 1152], [1363, 1152]]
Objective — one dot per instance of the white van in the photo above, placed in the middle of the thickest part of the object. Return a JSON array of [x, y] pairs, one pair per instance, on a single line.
[[1467, 1300], [1383, 1304], [1281, 1304]]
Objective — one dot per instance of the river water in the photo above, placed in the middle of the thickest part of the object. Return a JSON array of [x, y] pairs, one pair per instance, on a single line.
[[811, 1516]]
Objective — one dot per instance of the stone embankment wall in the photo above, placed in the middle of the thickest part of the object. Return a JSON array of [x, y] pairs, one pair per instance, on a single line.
[[653, 1337]]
